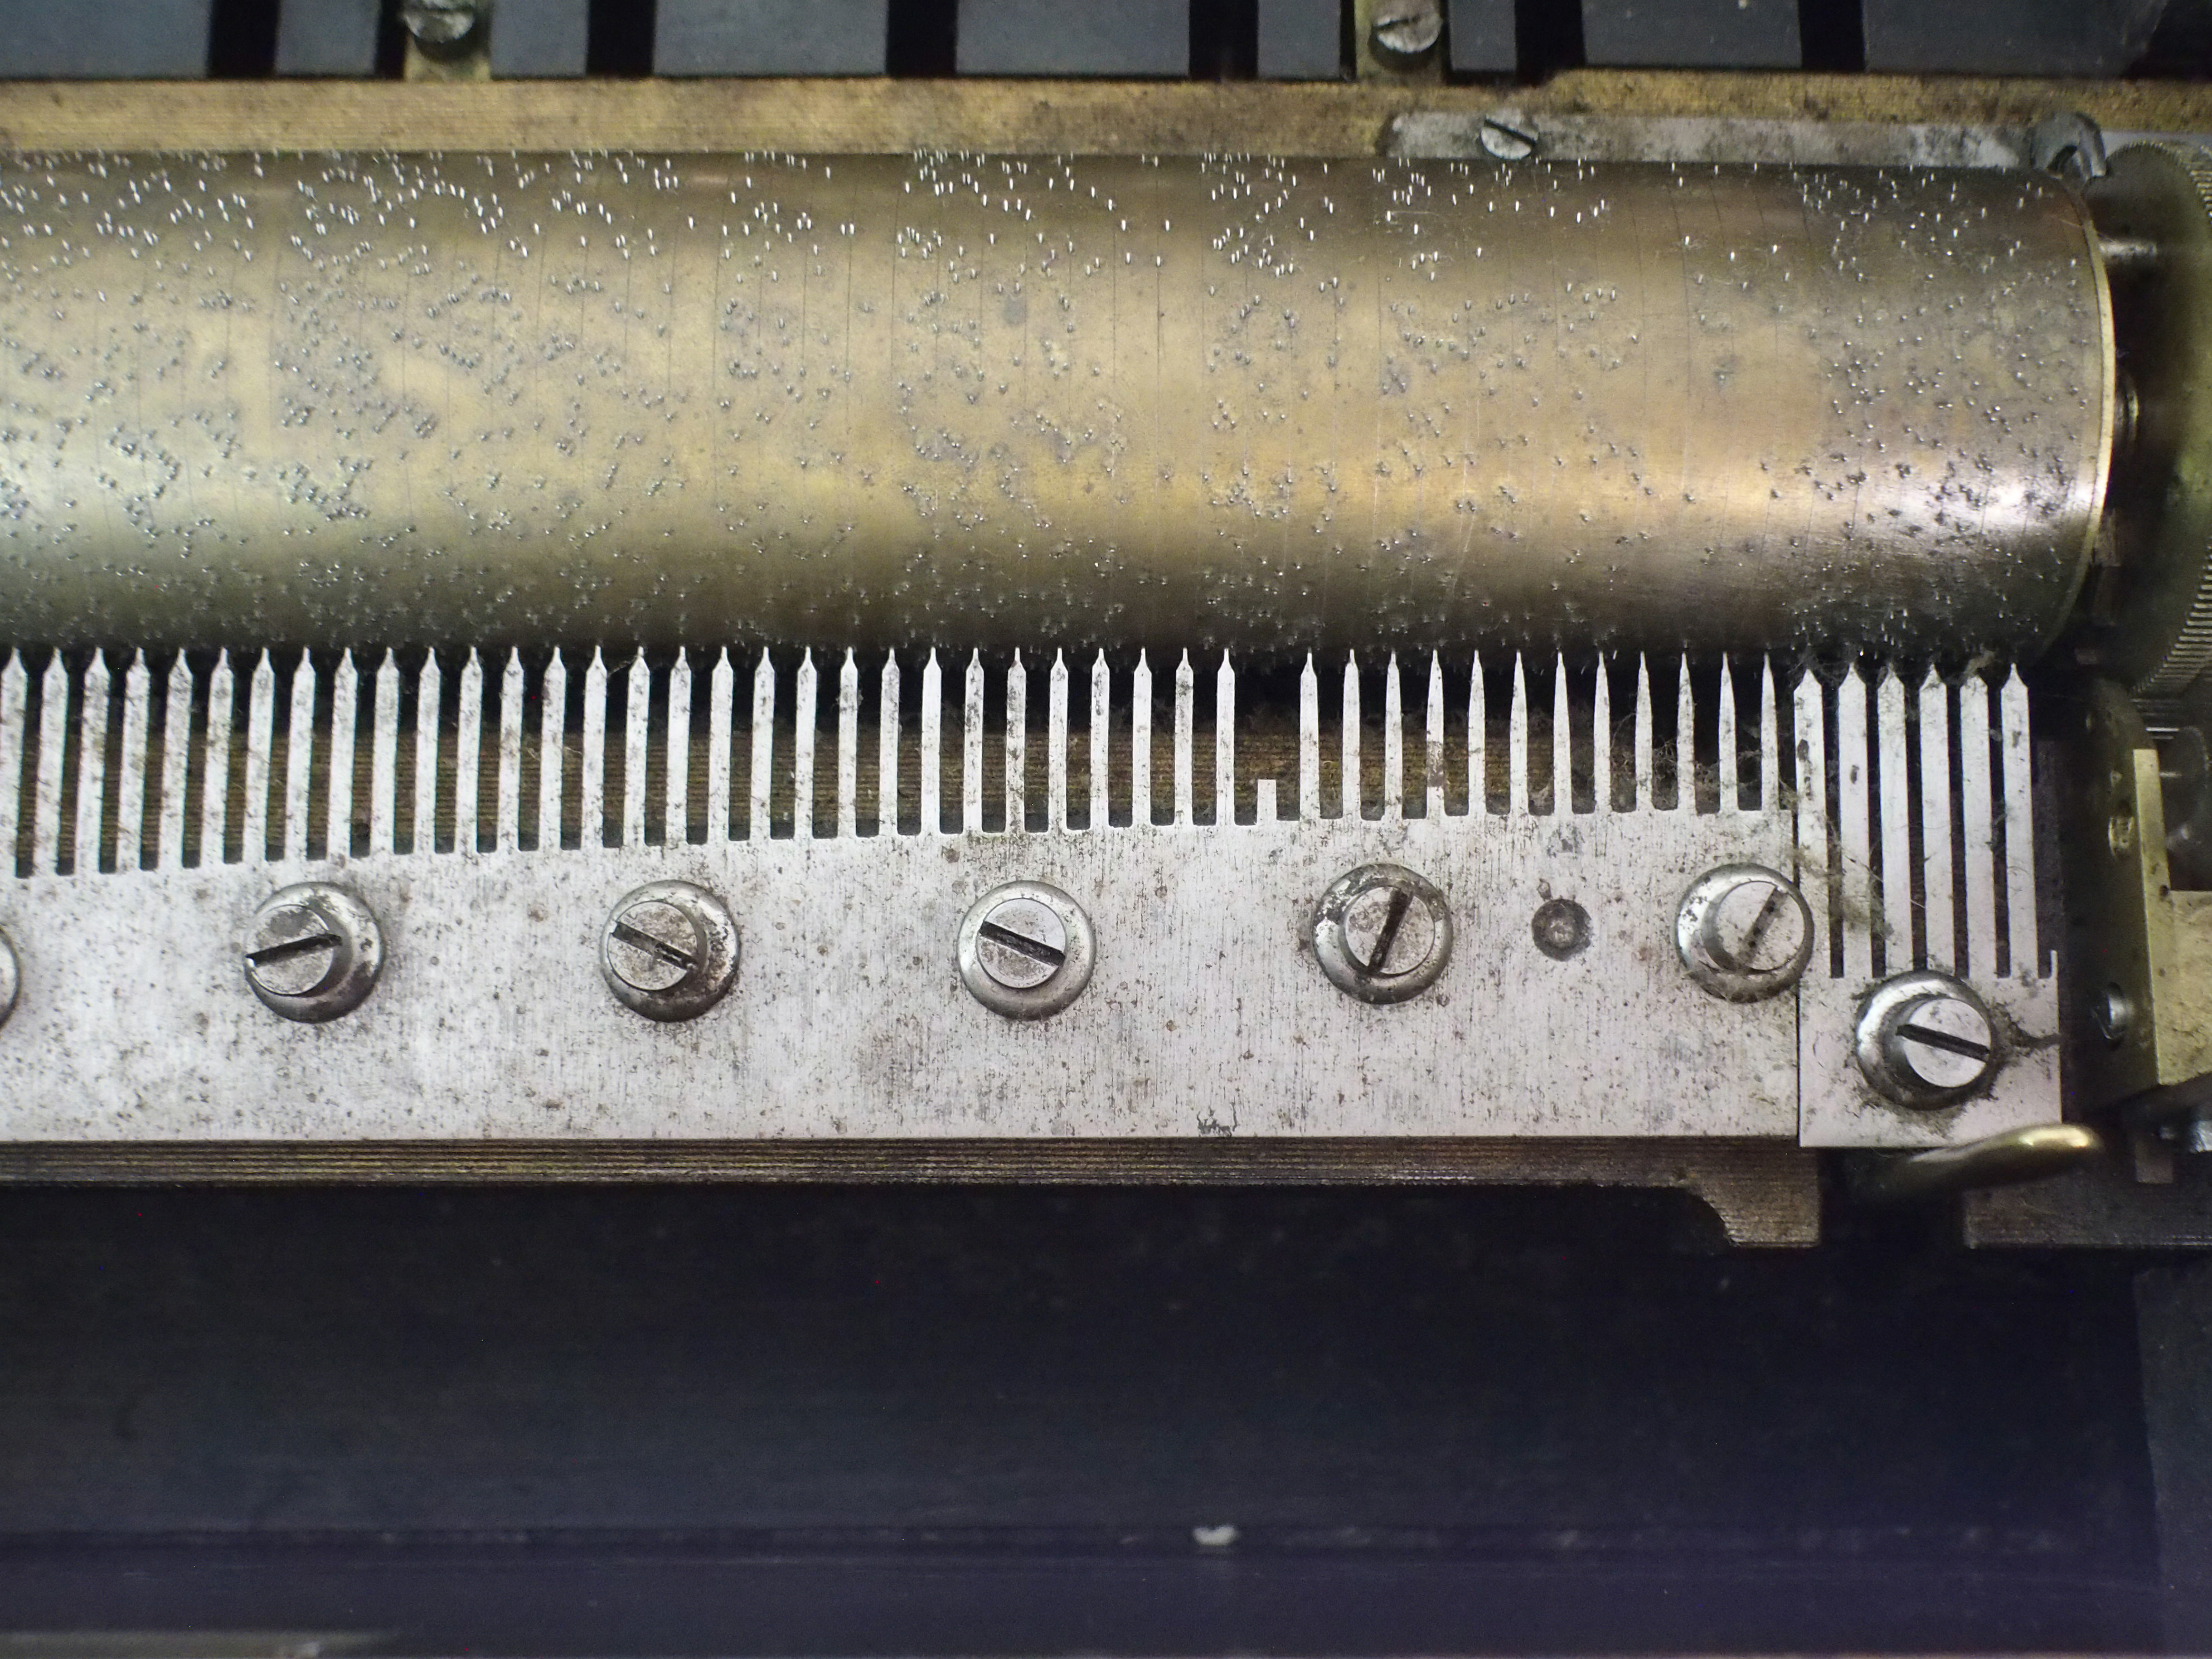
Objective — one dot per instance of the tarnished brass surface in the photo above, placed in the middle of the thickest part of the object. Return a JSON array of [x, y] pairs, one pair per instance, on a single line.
[[1089, 117], [1272, 405]]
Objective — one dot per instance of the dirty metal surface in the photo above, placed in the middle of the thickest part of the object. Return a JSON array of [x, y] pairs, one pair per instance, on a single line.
[[1207, 1014], [1095, 118]]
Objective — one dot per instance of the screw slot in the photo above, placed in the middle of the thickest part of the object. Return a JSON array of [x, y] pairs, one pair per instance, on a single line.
[[1382, 934], [669, 951], [1026, 950], [314, 952], [1925, 1041]]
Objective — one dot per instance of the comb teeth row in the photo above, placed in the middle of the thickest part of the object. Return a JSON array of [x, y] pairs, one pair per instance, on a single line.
[[204, 760], [211, 763]]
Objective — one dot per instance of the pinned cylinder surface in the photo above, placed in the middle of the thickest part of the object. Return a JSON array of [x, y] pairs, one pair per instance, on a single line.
[[1270, 405]]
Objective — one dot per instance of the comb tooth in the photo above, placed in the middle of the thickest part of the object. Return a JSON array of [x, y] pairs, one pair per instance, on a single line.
[[971, 746], [92, 766], [1018, 740], [1309, 743], [1936, 874], [260, 739], [1643, 751], [887, 748], [428, 689], [14, 695], [47, 800], [763, 746], [637, 710], [676, 821], [1563, 743], [552, 738], [803, 704], [1432, 753], [468, 737], [1810, 772], [1393, 743], [592, 782], [176, 747], [299, 758], [1517, 743], [508, 831], [933, 739], [1140, 741], [214, 771], [849, 747], [1731, 781], [1224, 742], [1056, 744], [1685, 739], [1601, 741], [383, 756], [1185, 700], [1478, 743], [1102, 731], [1770, 740], [1853, 829], [345, 685], [2026, 957], [1975, 817], [721, 700], [131, 781], [1349, 792], [1894, 927]]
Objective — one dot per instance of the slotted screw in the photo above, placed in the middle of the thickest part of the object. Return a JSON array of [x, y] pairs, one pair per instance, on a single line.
[[1744, 932], [1405, 29], [1021, 942], [669, 951], [1026, 950], [314, 952], [1925, 1040], [653, 946], [1382, 934]]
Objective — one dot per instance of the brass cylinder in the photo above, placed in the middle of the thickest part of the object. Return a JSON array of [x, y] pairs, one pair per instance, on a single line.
[[393, 399]]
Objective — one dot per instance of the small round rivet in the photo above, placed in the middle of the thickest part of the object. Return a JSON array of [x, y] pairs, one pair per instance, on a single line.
[[1026, 950], [314, 952], [669, 951], [1561, 928], [1382, 934], [1744, 932], [1925, 1040], [11, 979]]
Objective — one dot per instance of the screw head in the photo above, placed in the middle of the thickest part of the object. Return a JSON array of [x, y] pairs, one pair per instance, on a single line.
[[1507, 138], [2114, 1013], [669, 951], [1744, 932], [1382, 934], [10, 979], [1925, 1040], [1026, 950], [440, 22], [1406, 30], [314, 952]]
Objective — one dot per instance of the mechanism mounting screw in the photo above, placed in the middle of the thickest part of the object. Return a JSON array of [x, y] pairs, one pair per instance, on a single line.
[[1561, 928], [1744, 932], [1026, 950], [314, 951], [669, 951], [1382, 934], [10, 979], [1925, 1040], [441, 22], [1406, 31]]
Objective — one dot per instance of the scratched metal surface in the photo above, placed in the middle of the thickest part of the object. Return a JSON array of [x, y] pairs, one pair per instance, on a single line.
[[570, 400]]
